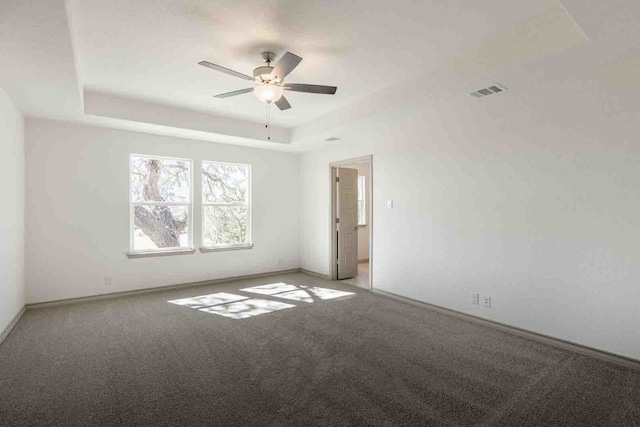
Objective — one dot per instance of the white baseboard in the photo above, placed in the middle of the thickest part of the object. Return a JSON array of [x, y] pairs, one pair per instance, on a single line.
[[12, 325], [313, 273], [618, 359], [57, 303]]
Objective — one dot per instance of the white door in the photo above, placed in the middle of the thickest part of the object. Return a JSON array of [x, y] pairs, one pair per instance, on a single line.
[[347, 223]]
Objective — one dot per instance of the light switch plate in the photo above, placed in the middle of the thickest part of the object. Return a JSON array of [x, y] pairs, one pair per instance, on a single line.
[[390, 204]]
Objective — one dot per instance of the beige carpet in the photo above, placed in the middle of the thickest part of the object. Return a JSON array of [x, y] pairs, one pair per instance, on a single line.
[[293, 354]]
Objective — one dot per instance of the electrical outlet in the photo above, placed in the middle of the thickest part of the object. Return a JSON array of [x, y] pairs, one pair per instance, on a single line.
[[107, 281], [475, 298], [487, 301]]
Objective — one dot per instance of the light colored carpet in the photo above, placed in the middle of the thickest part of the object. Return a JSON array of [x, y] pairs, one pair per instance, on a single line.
[[358, 359]]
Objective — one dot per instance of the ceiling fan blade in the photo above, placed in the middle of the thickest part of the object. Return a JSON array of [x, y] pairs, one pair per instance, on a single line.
[[285, 65], [283, 104], [234, 93], [298, 87], [225, 70]]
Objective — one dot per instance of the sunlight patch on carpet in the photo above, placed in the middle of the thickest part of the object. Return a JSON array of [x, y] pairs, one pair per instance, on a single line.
[[241, 307], [246, 308], [270, 289], [308, 294], [208, 300]]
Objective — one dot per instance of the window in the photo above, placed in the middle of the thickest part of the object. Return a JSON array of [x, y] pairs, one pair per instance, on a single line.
[[226, 206], [362, 216], [160, 203]]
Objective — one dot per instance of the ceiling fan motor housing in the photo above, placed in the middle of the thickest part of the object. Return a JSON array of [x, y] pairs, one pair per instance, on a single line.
[[263, 73]]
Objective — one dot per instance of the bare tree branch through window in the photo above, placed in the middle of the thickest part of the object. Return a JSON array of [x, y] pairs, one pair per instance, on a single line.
[[161, 202], [226, 204]]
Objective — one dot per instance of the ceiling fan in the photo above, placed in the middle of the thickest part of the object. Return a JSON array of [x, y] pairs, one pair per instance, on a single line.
[[270, 80]]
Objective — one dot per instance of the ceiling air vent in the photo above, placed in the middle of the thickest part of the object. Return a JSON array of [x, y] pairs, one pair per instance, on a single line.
[[333, 138], [486, 91]]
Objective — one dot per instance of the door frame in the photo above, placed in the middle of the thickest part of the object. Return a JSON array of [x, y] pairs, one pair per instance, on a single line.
[[333, 212]]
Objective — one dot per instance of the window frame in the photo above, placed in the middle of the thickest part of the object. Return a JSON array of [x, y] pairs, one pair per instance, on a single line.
[[248, 244], [135, 253]]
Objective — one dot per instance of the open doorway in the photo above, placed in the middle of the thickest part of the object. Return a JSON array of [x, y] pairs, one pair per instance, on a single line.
[[352, 221]]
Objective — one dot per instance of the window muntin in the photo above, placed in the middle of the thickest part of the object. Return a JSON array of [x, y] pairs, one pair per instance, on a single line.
[[226, 207], [160, 203], [362, 215]]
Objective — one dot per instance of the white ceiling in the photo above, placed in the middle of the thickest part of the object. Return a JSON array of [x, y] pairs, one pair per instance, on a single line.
[[128, 56], [149, 49]]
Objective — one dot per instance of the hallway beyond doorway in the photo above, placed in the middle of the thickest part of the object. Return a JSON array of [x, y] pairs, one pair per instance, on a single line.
[[362, 279]]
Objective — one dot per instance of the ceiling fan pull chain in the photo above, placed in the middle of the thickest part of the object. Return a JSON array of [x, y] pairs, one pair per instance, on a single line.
[[268, 121]]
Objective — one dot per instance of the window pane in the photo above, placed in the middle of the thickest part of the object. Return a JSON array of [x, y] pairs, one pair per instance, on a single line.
[[361, 201], [222, 183], [225, 225], [158, 227], [159, 180], [361, 187]]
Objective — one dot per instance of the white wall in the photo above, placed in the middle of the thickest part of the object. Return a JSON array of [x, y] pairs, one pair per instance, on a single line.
[[11, 212], [534, 204], [78, 213]]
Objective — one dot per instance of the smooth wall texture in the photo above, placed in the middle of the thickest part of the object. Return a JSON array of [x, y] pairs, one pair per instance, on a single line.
[[531, 203], [12, 211], [78, 212]]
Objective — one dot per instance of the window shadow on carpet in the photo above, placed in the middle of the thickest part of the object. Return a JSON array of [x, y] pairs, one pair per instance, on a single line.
[[241, 307]]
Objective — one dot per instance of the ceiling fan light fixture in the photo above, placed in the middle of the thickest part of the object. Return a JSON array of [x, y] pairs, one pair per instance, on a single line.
[[268, 92]]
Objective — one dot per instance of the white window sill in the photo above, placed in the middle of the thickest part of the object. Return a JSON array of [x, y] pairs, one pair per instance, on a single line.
[[168, 252], [226, 248], [362, 225]]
